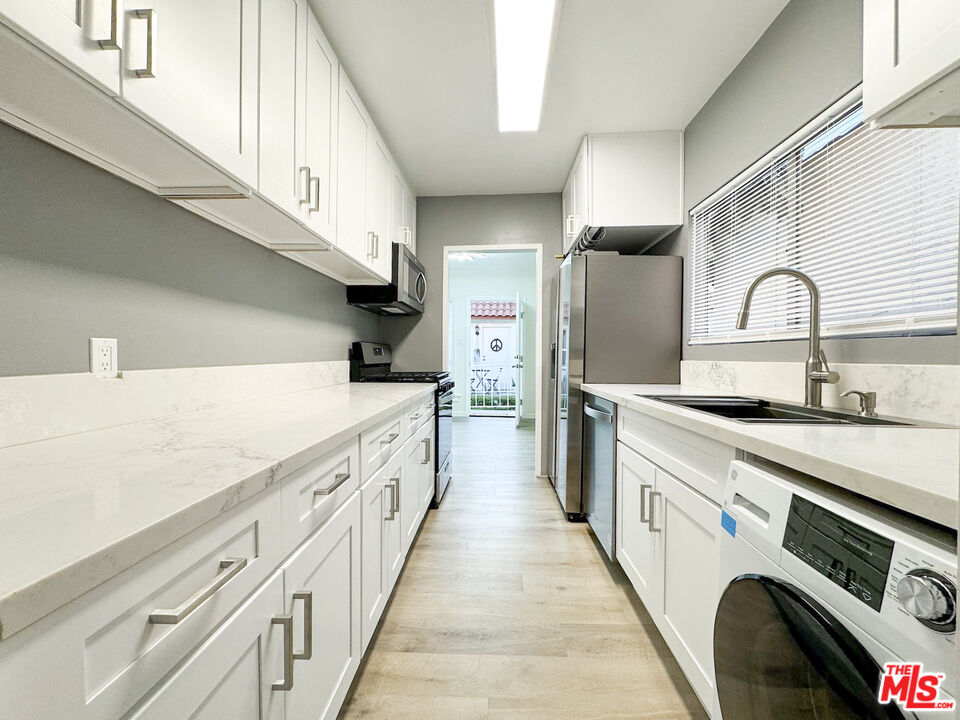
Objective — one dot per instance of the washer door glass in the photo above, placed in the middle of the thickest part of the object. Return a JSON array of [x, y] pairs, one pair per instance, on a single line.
[[779, 655]]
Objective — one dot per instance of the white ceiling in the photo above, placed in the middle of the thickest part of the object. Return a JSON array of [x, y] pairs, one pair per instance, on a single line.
[[425, 70]]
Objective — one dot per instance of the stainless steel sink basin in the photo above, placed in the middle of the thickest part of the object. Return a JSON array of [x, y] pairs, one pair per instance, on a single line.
[[759, 411]]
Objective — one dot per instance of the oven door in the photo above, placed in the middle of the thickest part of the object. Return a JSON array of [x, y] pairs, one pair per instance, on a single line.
[[444, 460], [780, 655]]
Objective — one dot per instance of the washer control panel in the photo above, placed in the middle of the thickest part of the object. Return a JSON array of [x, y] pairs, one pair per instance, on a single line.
[[849, 555]]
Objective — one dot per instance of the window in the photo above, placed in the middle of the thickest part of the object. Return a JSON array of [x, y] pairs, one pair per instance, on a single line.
[[873, 216]]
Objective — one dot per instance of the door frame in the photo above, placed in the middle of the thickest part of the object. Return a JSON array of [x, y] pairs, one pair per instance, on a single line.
[[538, 375]]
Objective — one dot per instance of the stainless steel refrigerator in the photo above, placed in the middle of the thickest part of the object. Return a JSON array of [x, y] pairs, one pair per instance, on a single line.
[[618, 321]]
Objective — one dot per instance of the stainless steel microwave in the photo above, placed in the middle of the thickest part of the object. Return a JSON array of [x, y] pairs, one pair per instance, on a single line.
[[402, 296]]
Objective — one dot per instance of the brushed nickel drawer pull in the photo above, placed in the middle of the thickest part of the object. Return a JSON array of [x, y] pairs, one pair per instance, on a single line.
[[390, 438], [307, 598], [287, 622], [231, 566], [340, 478], [426, 451], [393, 493]]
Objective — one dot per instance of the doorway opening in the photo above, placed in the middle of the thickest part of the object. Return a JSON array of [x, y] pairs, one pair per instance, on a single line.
[[492, 329]]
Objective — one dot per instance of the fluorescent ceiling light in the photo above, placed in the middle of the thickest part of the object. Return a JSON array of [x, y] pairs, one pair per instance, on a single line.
[[523, 30]]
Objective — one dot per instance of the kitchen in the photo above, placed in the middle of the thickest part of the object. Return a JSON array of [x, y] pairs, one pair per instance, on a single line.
[[232, 484]]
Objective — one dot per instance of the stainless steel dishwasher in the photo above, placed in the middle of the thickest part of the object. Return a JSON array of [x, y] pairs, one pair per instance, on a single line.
[[599, 469]]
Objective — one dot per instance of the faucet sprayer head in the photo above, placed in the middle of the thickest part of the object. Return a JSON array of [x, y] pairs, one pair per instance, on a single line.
[[742, 319]]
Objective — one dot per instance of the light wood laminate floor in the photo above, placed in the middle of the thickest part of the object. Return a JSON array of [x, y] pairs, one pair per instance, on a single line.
[[506, 611]]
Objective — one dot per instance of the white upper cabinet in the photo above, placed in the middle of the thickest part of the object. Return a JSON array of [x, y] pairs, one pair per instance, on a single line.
[[911, 62], [351, 172], [627, 180], [409, 226], [192, 68], [322, 81], [379, 177], [84, 34], [282, 70]]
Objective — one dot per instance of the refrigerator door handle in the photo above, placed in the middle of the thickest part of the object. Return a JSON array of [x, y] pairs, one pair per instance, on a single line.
[[553, 361]]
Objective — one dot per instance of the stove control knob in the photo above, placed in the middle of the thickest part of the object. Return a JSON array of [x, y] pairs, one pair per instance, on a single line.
[[929, 597]]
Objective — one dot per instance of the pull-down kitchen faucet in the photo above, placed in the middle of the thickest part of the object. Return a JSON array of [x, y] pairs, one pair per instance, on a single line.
[[816, 371]]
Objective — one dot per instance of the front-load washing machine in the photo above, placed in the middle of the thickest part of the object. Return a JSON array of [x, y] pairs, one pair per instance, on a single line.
[[819, 590]]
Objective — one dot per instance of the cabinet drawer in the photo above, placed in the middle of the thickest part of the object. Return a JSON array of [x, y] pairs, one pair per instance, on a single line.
[[693, 458], [417, 414], [100, 653], [312, 494], [380, 442]]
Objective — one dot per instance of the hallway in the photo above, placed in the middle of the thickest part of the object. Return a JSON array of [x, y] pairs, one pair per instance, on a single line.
[[506, 611]]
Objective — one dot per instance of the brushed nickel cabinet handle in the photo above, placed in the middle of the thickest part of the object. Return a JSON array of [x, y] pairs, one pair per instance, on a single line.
[[396, 494], [643, 503], [393, 493], [304, 189], [307, 597], [315, 194], [149, 69], [340, 479], [426, 451], [653, 505], [369, 244], [112, 41], [231, 566], [376, 245], [287, 622], [390, 438]]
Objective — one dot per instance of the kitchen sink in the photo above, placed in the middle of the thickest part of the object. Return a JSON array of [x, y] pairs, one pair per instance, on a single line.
[[759, 411]]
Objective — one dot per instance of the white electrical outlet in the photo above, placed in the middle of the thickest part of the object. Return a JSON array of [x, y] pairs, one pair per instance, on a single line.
[[103, 357]]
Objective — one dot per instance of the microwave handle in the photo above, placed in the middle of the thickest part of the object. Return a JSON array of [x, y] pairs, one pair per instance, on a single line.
[[421, 289]]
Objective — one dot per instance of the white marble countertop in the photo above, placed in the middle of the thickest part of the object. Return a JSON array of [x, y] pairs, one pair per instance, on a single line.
[[911, 468], [77, 510]]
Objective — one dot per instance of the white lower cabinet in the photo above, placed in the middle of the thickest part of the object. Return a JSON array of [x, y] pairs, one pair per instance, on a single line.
[[668, 544], [232, 675], [411, 500], [376, 500], [689, 551], [322, 597], [637, 547], [427, 470]]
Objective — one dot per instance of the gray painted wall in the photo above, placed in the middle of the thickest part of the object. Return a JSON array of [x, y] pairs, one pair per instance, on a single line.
[[84, 254], [808, 58], [475, 220]]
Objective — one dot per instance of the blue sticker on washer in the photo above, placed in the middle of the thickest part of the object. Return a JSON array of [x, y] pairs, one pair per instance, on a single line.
[[729, 523]]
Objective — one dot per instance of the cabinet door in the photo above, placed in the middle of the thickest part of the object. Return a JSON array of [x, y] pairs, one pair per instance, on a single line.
[[690, 527], [351, 172], [397, 201], [231, 675], [320, 131], [394, 473], [282, 59], [376, 500], [637, 546], [379, 178], [907, 44], [410, 218], [192, 69], [581, 188], [427, 469], [411, 509], [569, 210], [84, 34], [322, 588]]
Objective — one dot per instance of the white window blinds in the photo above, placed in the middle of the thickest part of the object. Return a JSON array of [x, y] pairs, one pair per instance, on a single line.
[[873, 216]]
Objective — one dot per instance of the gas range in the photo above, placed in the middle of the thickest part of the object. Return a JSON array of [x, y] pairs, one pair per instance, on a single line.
[[370, 362]]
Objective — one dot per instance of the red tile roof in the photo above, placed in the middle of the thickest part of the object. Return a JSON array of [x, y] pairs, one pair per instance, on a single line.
[[493, 310]]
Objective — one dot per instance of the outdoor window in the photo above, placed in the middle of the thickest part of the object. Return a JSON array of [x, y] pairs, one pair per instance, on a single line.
[[873, 216]]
